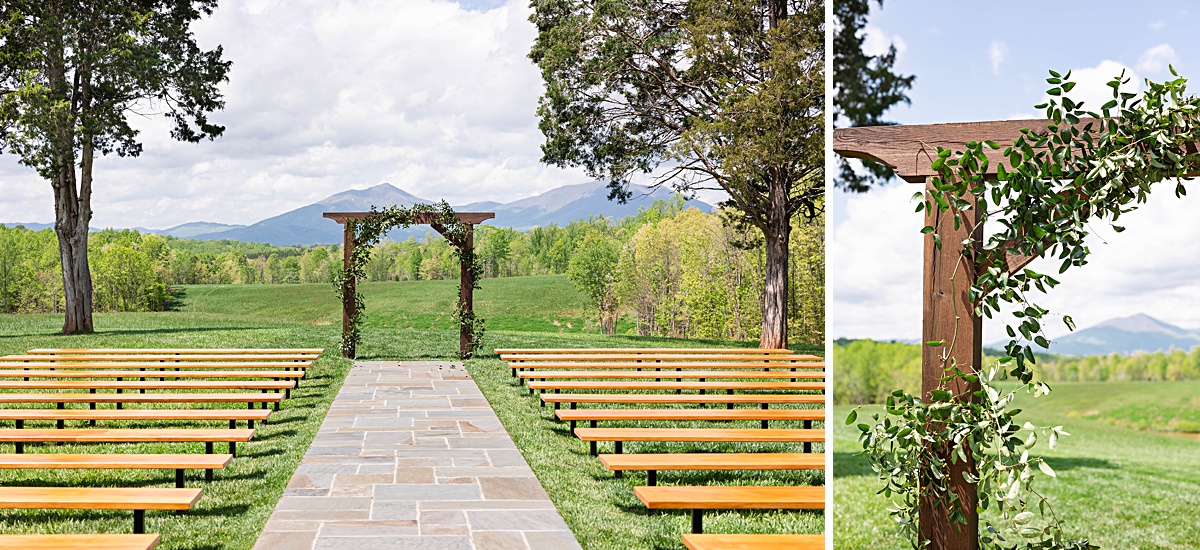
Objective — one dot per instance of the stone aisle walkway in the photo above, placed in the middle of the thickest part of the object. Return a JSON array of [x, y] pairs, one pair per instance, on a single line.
[[411, 456]]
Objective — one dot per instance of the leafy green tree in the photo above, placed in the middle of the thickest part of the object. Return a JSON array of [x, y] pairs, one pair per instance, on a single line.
[[70, 74], [865, 86], [593, 271], [703, 94]]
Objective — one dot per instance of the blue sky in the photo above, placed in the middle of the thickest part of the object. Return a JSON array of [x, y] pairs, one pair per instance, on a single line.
[[433, 96], [988, 61]]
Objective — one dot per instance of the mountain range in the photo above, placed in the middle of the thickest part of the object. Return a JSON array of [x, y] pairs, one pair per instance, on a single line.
[[1139, 333], [306, 226]]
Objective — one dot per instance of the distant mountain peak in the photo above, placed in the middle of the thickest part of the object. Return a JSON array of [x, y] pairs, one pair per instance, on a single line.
[[382, 195], [1138, 333]]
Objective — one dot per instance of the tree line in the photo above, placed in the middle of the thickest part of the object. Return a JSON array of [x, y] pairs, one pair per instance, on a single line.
[[867, 371], [674, 271]]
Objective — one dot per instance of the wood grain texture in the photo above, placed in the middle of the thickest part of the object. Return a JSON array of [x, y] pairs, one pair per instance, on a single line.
[[732, 497], [700, 434], [277, 358], [53, 373], [949, 316], [664, 357], [693, 541], [502, 352], [134, 414], [794, 415], [98, 498], [625, 375], [79, 542], [147, 385], [418, 219], [97, 364], [686, 398], [668, 365], [132, 435], [174, 351], [115, 461], [671, 385], [198, 397], [714, 461]]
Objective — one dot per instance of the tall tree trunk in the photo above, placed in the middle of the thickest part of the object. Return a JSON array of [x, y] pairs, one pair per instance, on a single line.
[[71, 225], [778, 230]]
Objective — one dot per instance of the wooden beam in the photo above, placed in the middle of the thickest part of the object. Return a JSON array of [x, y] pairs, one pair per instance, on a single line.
[[419, 219], [349, 304], [466, 292], [950, 317]]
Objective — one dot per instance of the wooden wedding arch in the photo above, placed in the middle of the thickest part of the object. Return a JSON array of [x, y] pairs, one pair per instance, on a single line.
[[466, 287], [910, 152]]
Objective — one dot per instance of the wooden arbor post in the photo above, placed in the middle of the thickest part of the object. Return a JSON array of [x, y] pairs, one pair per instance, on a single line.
[[466, 289], [948, 313]]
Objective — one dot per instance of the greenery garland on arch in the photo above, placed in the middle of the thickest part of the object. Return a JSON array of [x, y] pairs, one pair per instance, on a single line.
[[1080, 170], [367, 232]]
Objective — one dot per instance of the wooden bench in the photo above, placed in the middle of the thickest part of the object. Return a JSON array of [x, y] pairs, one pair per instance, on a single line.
[[632, 415], [100, 498], [503, 352], [177, 462], [126, 365], [719, 385], [164, 358], [143, 374], [773, 435], [677, 375], [764, 399], [753, 542], [175, 351], [131, 435], [20, 416], [199, 397], [79, 542], [121, 385], [517, 367], [651, 463], [659, 357], [698, 499]]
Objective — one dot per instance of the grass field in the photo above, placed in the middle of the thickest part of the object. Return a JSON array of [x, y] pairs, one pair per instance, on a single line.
[[1120, 487], [405, 321]]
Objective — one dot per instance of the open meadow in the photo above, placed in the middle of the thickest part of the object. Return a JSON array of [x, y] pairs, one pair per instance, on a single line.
[[409, 320], [1119, 486]]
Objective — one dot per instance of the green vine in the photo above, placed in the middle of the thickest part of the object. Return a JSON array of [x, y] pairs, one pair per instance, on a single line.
[[1084, 167], [367, 232]]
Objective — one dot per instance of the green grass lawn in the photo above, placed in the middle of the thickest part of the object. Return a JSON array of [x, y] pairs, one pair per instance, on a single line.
[[1120, 487], [405, 321]]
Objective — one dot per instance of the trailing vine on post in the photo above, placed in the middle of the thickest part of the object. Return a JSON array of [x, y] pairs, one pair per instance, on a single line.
[[1085, 167], [367, 232]]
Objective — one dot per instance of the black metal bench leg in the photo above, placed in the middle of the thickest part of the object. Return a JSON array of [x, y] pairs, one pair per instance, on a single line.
[[179, 478], [250, 423], [808, 444], [619, 474], [572, 426], [233, 448], [764, 424], [593, 448], [651, 477], [139, 522], [208, 475], [208, 447], [697, 521], [232, 424], [617, 447]]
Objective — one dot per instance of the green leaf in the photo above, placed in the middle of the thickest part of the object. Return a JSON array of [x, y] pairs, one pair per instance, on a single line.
[[1046, 469]]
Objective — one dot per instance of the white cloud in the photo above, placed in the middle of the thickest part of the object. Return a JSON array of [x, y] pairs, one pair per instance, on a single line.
[[425, 94], [998, 53], [876, 41], [1158, 25], [1155, 60], [1091, 83]]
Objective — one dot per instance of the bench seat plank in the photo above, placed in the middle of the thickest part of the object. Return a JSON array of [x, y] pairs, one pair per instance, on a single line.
[[147, 385], [715, 374], [198, 397], [80, 542], [695, 541], [664, 357], [168, 358], [136, 374], [685, 398], [690, 414], [114, 461], [5, 363], [640, 351], [714, 461], [175, 351], [719, 385], [776, 364], [732, 497], [701, 434], [134, 414], [124, 435], [98, 498]]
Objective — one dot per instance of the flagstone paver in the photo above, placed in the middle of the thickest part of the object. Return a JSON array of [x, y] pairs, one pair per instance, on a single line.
[[410, 456]]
